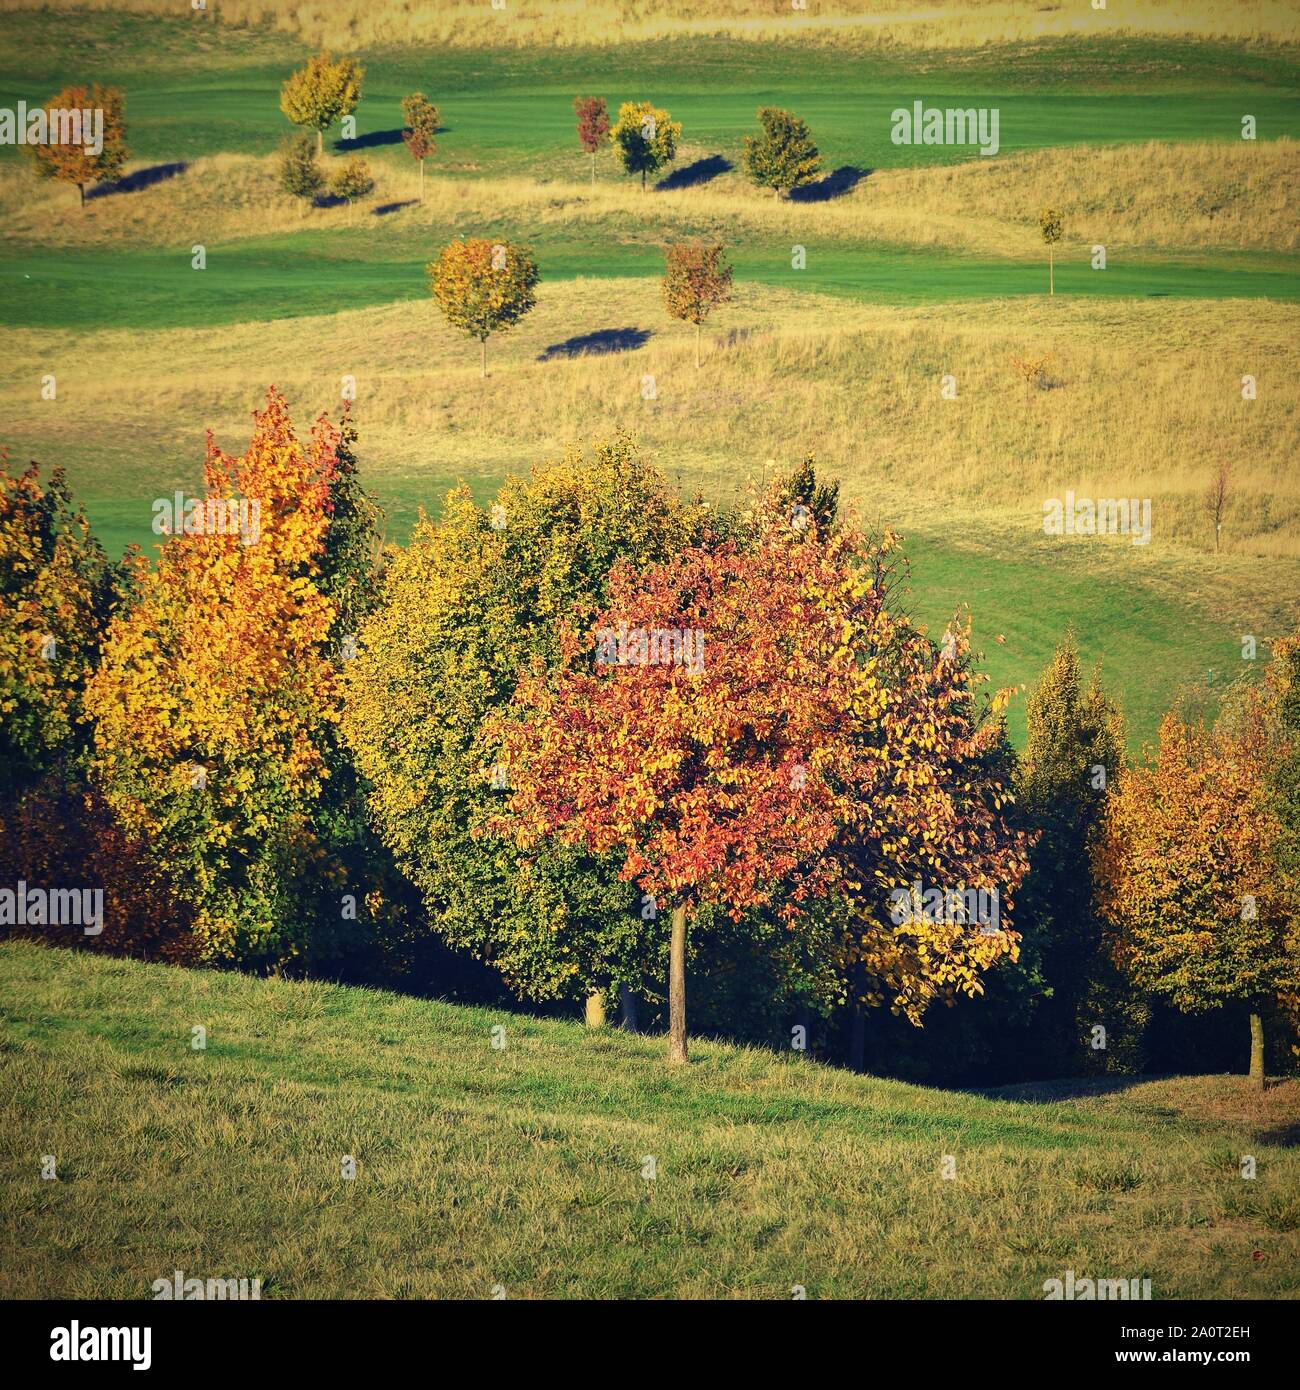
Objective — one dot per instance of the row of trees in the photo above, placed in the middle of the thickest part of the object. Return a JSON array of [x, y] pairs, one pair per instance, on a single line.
[[645, 140], [596, 732], [485, 287]]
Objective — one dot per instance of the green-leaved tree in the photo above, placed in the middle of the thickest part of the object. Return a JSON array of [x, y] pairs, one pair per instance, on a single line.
[[783, 156]]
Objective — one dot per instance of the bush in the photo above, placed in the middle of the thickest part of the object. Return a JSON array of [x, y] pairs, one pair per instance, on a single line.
[[300, 174]]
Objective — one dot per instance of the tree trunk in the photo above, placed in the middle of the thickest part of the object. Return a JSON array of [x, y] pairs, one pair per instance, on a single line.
[[697, 344], [627, 1002], [81, 188], [482, 357], [677, 987], [320, 143], [1256, 1052], [858, 1038], [594, 1011], [642, 180]]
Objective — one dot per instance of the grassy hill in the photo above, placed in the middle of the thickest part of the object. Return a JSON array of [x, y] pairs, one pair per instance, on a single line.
[[522, 1167]]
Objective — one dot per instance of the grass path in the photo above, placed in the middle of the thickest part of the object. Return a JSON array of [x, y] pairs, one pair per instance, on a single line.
[[522, 1167]]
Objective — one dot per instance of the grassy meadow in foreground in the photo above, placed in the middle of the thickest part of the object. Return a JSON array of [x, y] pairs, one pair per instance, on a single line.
[[523, 1167]]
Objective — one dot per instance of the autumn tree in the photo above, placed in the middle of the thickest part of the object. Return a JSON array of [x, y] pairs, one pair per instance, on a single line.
[[352, 180], [1073, 755], [644, 138], [483, 287], [1033, 371], [1187, 877], [216, 693], [300, 173], [593, 126], [321, 93], [78, 162], [1051, 225], [697, 278], [716, 728], [56, 593], [783, 156], [61, 832], [1284, 796], [421, 120], [473, 599], [935, 852]]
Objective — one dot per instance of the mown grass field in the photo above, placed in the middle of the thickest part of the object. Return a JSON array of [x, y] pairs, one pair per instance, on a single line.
[[522, 1167], [921, 262]]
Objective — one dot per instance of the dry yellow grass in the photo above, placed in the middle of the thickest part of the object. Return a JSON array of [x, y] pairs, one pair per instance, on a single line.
[[1239, 196], [784, 374], [523, 23]]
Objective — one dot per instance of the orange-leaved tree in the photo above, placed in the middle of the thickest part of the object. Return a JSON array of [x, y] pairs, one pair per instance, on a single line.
[[1188, 885], [78, 155], [696, 278], [673, 728], [216, 694], [483, 287]]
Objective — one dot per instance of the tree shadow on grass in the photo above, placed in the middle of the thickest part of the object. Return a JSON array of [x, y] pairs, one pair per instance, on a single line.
[[142, 178], [835, 185], [1284, 1136], [604, 340], [1070, 1088], [372, 139], [692, 175], [385, 208]]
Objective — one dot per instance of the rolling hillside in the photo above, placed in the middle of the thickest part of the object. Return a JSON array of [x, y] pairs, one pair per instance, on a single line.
[[522, 1167]]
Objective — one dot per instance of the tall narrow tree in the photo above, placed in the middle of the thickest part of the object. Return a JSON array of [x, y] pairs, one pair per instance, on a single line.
[[1073, 755], [696, 279], [593, 126], [422, 120]]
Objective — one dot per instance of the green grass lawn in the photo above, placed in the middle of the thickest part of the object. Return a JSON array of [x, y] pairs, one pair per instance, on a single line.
[[193, 91], [320, 272], [522, 1167]]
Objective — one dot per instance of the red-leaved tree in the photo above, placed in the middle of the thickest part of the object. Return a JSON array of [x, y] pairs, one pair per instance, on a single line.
[[593, 126], [676, 726]]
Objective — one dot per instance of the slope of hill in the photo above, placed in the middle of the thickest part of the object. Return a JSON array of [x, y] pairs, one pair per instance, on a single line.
[[526, 1165]]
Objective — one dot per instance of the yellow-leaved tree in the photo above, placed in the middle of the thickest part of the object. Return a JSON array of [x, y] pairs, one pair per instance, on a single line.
[[1189, 885], [216, 695], [483, 287]]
